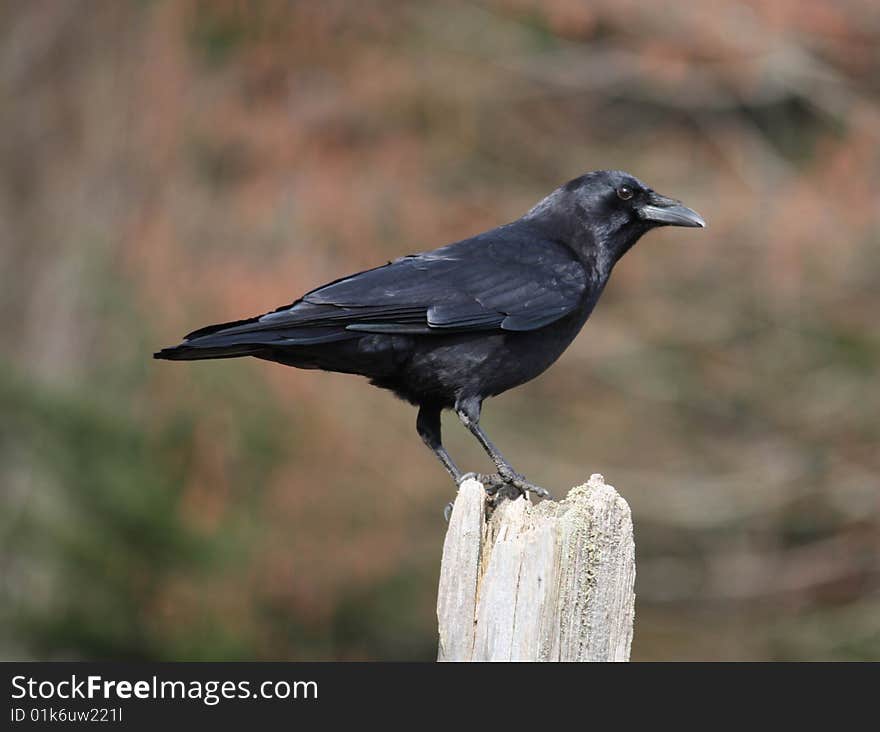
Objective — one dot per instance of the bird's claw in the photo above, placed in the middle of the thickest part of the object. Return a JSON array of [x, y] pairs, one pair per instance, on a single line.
[[511, 484], [447, 511]]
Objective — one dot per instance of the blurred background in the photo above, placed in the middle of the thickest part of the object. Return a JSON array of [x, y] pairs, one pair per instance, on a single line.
[[169, 164]]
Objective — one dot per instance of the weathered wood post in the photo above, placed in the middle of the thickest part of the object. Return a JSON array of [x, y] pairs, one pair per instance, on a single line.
[[546, 582]]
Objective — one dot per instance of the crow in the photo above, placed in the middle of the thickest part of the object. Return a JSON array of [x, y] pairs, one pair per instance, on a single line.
[[447, 328]]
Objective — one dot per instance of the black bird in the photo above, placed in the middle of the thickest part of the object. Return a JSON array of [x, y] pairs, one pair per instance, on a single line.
[[447, 328]]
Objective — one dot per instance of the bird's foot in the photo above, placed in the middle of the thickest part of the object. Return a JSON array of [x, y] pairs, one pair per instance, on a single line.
[[508, 485], [511, 485]]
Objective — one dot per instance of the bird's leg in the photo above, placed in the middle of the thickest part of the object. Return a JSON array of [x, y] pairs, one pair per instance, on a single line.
[[468, 411], [428, 426]]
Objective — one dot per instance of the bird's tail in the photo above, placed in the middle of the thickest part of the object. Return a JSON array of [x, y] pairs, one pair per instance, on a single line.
[[187, 352], [250, 337], [215, 341]]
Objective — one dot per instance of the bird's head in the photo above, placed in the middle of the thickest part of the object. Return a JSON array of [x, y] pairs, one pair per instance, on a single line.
[[608, 211]]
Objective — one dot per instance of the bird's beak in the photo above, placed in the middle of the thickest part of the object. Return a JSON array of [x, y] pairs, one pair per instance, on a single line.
[[668, 211]]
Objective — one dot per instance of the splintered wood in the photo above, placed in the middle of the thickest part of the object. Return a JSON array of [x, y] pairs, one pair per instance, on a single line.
[[546, 582]]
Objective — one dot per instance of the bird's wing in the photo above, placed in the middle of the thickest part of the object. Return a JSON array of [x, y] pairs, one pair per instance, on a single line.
[[504, 280]]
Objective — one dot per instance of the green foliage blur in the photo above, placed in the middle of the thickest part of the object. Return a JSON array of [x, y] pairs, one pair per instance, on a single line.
[[169, 164]]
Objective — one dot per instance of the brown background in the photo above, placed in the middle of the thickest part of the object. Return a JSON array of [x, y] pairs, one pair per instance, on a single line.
[[168, 164]]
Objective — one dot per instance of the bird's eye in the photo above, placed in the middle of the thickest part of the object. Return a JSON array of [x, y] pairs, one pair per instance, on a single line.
[[624, 193]]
